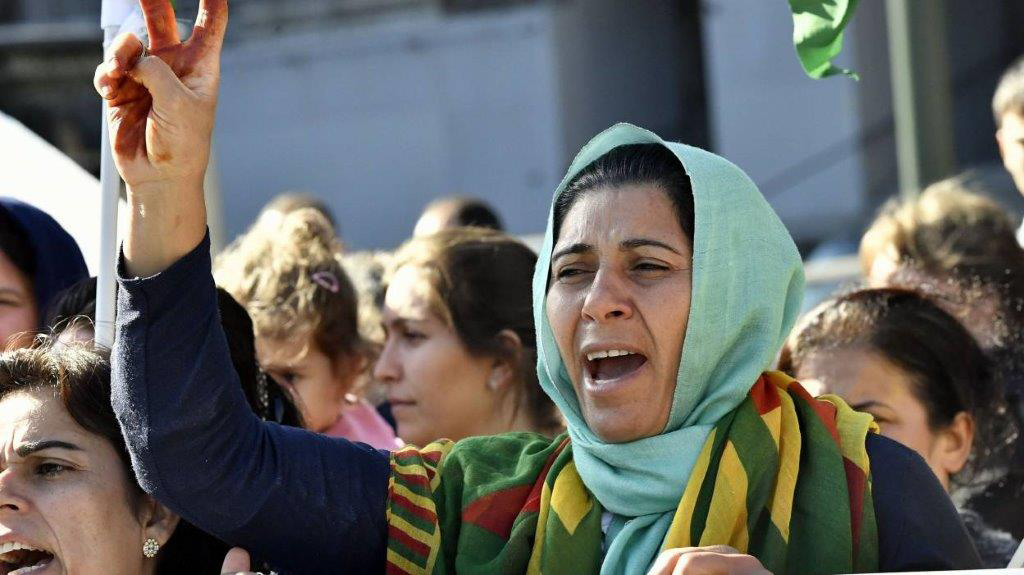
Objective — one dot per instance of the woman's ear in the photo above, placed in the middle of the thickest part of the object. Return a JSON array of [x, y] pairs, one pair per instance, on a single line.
[[158, 522], [506, 367], [953, 444]]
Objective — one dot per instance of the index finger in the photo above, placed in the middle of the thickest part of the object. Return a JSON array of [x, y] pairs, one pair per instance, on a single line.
[[211, 23], [160, 23]]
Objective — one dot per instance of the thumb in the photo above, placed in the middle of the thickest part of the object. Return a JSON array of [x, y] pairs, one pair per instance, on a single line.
[[158, 78], [237, 560]]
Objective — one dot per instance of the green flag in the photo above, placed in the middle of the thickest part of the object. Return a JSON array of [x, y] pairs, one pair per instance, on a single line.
[[818, 34]]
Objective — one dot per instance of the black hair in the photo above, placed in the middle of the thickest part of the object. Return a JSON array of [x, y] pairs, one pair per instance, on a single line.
[[633, 164], [15, 244], [475, 213], [951, 373]]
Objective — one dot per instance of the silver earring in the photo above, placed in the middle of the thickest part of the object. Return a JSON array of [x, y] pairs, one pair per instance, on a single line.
[[492, 382], [150, 548]]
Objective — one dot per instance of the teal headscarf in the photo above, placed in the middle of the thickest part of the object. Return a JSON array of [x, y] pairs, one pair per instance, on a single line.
[[746, 293]]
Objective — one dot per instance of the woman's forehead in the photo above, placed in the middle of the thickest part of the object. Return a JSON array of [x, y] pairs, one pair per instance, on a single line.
[[620, 213], [31, 416]]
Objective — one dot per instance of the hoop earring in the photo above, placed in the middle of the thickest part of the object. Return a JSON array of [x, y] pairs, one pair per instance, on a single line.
[[150, 548]]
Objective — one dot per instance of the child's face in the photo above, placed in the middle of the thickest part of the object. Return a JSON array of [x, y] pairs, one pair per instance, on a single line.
[[317, 384], [1011, 146]]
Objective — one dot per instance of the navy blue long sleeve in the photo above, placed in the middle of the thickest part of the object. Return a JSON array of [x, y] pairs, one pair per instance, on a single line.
[[304, 502]]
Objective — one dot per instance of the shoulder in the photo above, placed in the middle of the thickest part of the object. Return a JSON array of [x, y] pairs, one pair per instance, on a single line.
[[502, 453], [918, 527]]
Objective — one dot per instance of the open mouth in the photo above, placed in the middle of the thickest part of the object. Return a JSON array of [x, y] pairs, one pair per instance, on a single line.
[[613, 364], [21, 559]]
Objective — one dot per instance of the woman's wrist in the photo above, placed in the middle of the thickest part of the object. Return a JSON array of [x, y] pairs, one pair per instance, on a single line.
[[167, 220]]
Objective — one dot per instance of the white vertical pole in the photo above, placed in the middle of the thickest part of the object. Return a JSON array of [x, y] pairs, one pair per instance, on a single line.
[[113, 13]]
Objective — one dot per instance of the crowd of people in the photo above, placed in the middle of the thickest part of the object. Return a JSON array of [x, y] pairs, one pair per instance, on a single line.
[[641, 396]]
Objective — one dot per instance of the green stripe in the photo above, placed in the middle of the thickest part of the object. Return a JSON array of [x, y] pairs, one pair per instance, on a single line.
[[417, 522], [707, 488], [412, 556], [821, 507]]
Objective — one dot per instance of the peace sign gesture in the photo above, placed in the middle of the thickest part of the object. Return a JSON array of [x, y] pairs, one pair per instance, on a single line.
[[161, 106], [162, 102]]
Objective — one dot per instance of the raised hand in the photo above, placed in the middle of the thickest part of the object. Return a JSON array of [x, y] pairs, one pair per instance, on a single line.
[[161, 111], [161, 105]]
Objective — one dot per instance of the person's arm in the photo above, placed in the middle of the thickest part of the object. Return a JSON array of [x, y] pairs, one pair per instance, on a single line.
[[304, 502], [918, 527]]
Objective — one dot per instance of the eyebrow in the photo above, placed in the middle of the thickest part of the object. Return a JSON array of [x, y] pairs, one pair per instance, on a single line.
[[10, 291], [629, 244], [867, 404], [26, 449]]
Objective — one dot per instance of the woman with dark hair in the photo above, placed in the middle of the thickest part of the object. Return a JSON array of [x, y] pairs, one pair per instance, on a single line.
[[459, 355], [69, 502], [683, 454], [38, 259], [922, 376]]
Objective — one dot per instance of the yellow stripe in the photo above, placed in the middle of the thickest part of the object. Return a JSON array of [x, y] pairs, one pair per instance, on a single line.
[[410, 567], [852, 426], [542, 523], [679, 531], [781, 503], [569, 499], [727, 516], [409, 469], [418, 500], [773, 419]]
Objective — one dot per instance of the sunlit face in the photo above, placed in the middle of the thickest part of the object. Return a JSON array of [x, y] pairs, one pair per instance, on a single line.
[[18, 313], [317, 383], [64, 492], [620, 286], [871, 383], [436, 388], [1011, 146]]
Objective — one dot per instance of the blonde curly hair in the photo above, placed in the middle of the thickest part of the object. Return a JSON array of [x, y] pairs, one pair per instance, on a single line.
[[287, 272]]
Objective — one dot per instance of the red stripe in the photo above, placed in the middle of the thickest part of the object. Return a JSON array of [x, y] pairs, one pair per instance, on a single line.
[[396, 570], [432, 457], [855, 486], [418, 547], [497, 512], [416, 480], [765, 395], [825, 411], [533, 500], [417, 510]]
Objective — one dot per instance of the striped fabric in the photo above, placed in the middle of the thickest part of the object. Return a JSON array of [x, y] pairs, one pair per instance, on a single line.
[[784, 477]]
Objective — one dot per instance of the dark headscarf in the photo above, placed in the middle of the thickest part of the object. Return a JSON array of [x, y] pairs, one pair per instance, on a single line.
[[50, 257]]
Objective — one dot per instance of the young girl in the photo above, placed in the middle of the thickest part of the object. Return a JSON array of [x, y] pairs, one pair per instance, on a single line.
[[286, 271]]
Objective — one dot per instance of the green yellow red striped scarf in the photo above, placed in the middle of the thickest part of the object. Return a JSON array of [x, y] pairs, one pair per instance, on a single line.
[[784, 477]]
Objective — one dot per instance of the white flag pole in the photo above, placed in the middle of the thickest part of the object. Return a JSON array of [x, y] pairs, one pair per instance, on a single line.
[[113, 13]]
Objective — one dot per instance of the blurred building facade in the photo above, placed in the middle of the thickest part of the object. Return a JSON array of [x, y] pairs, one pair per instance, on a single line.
[[377, 106]]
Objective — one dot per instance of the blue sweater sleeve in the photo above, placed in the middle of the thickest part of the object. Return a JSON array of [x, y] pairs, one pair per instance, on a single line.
[[302, 501], [918, 527]]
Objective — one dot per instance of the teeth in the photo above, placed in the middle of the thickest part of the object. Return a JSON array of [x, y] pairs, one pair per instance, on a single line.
[[610, 353], [15, 546]]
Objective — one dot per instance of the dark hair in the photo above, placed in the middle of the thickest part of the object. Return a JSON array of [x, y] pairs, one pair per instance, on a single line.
[[471, 212], [266, 398], [14, 244], [73, 304], [633, 164], [77, 305], [80, 378], [951, 373], [481, 285]]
